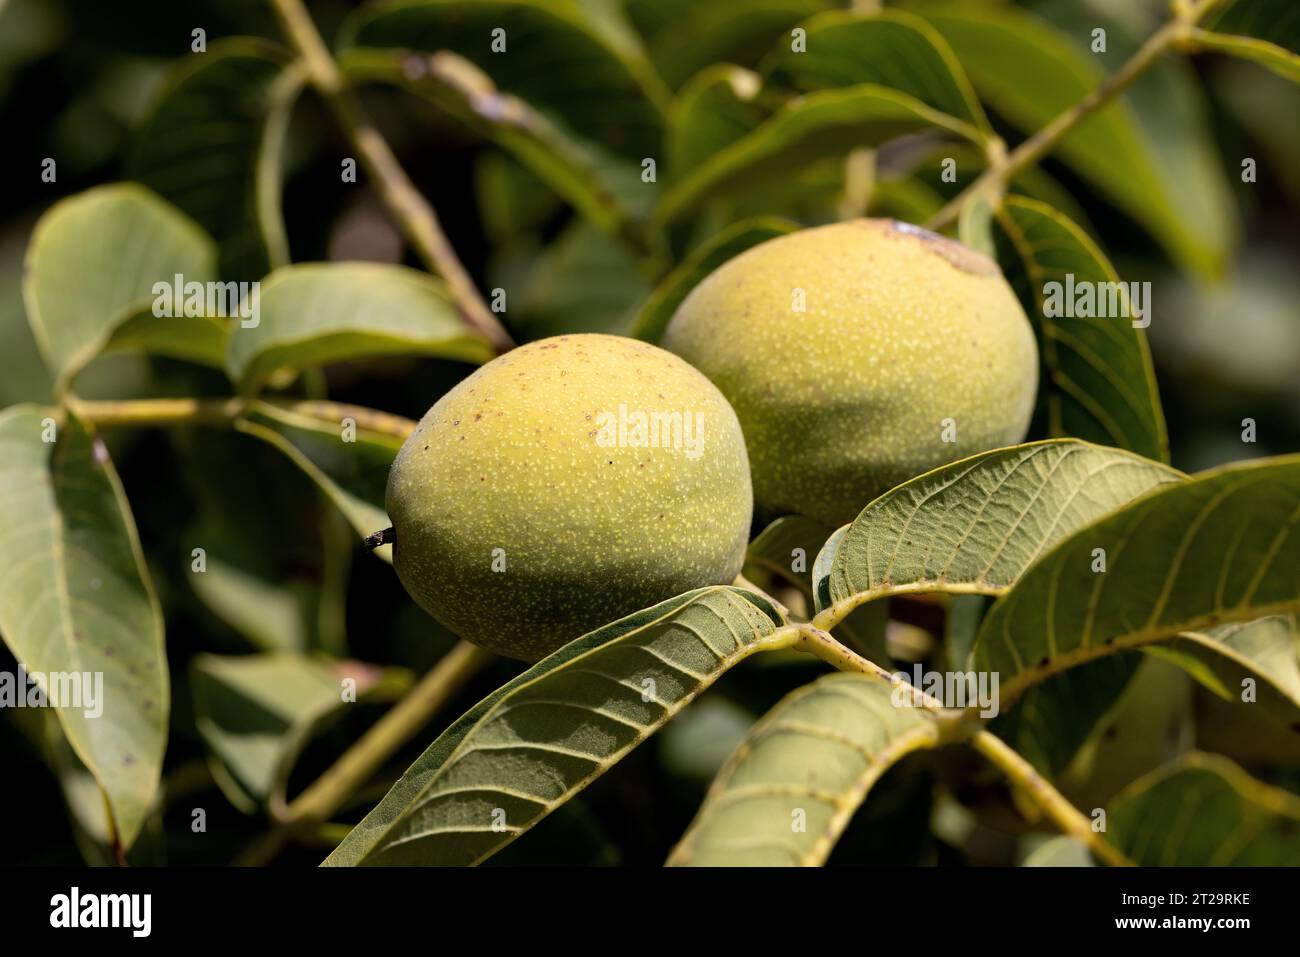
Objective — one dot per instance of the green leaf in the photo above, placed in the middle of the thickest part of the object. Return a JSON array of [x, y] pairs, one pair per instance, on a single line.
[[974, 526], [685, 36], [713, 110], [975, 226], [93, 262], [313, 314], [255, 713], [353, 473], [601, 87], [1058, 852], [890, 48], [538, 740], [211, 143], [76, 599], [788, 547], [1219, 547], [1205, 811], [791, 787], [1100, 384], [604, 189], [1028, 71], [1265, 653], [1265, 31], [825, 124], [1051, 721], [677, 285], [581, 282], [201, 339]]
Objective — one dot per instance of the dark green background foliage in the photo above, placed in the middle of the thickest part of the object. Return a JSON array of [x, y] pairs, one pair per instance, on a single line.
[[533, 162]]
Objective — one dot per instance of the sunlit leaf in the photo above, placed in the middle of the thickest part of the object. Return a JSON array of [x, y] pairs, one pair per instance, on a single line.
[[538, 740]]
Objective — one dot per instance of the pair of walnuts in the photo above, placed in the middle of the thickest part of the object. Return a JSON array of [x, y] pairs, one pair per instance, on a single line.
[[577, 479]]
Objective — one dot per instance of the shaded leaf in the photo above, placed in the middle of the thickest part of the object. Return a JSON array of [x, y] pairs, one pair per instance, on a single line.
[[829, 123], [685, 36], [890, 48], [1265, 31], [677, 285], [353, 474], [76, 600], [1028, 71], [201, 339], [538, 740], [603, 188], [1265, 653], [1219, 547], [314, 314], [204, 141], [600, 86], [1100, 382], [92, 263], [255, 713], [976, 525], [1205, 811], [1059, 851], [791, 787], [788, 547], [712, 111]]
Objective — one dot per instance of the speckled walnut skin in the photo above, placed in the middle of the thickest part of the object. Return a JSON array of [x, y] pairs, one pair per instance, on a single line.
[[510, 459], [902, 330]]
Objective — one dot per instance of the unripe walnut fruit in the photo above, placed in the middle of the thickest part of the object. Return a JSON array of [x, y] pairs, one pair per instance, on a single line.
[[564, 485], [858, 355]]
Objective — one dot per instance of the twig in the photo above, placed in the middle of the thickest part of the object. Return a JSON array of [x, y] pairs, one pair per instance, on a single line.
[[413, 212], [1171, 35]]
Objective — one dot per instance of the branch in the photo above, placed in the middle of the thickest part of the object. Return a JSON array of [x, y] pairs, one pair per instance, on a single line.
[[1171, 35], [226, 412], [413, 212], [1040, 790]]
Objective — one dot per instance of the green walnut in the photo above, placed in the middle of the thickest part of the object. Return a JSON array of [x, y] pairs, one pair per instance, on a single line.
[[858, 355], [564, 485]]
